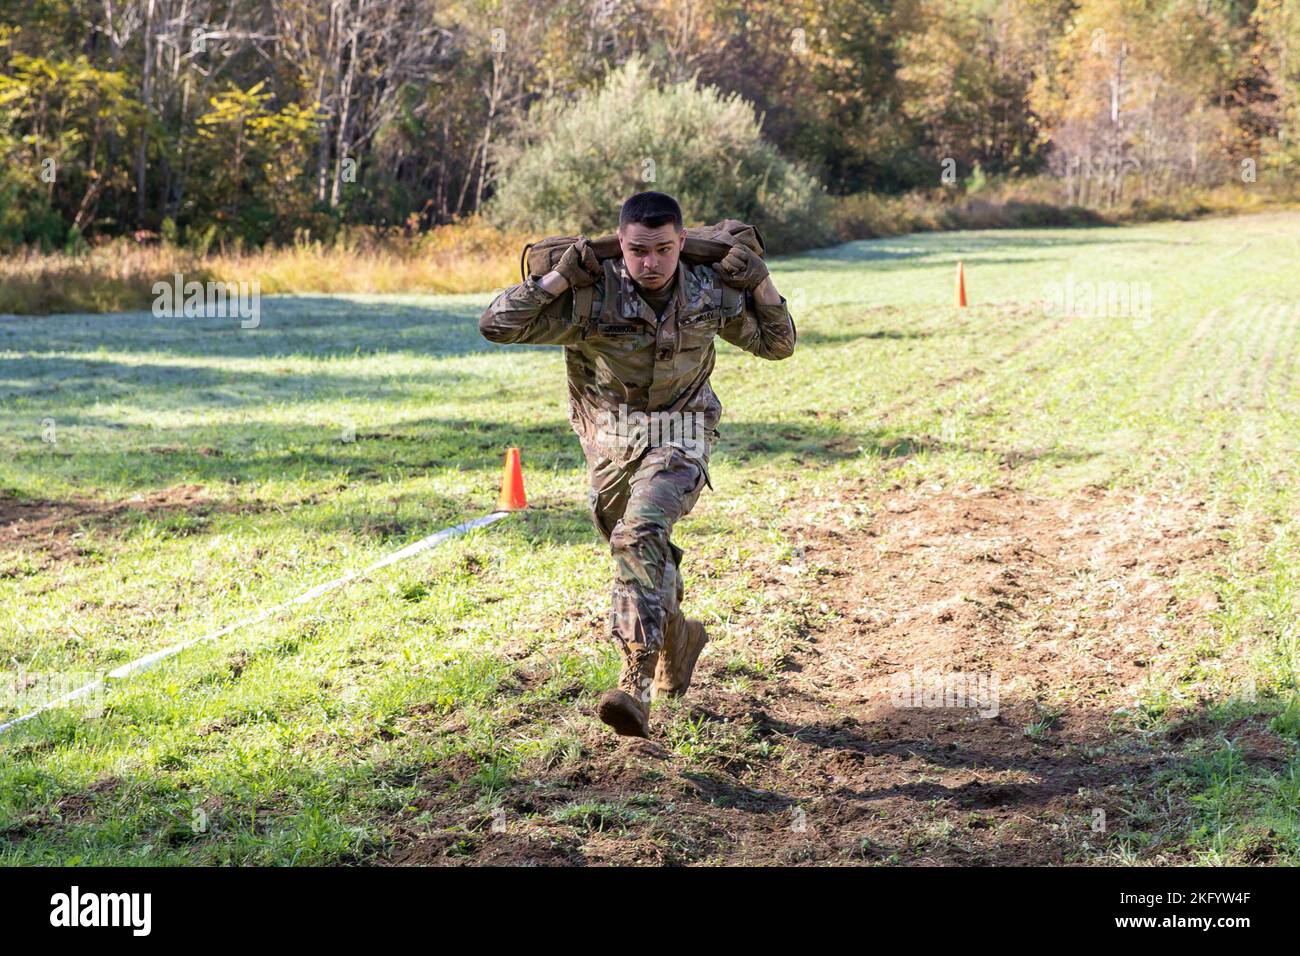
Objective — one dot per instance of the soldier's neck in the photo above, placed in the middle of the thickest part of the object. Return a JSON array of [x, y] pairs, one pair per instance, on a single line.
[[658, 300]]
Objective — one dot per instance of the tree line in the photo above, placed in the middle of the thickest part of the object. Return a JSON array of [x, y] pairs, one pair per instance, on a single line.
[[255, 121]]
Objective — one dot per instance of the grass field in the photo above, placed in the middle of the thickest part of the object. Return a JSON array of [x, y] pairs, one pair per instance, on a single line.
[[1095, 505]]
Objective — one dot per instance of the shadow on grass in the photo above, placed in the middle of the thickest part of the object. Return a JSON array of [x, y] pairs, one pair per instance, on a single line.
[[801, 442], [920, 249], [412, 449], [815, 337], [310, 326], [63, 383], [268, 452]]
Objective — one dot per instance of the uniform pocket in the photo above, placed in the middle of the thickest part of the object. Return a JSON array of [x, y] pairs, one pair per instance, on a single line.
[[705, 470], [700, 463], [699, 330]]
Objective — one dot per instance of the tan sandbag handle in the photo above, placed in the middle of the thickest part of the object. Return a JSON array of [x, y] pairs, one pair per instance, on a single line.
[[523, 262], [607, 247]]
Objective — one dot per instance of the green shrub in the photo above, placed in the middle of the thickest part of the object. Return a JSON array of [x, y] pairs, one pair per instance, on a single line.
[[26, 217], [631, 134]]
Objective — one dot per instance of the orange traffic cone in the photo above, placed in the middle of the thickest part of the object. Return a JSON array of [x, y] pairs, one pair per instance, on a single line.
[[512, 484], [961, 285]]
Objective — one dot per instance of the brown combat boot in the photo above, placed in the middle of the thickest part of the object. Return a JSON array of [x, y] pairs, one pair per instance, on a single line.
[[677, 661], [626, 708]]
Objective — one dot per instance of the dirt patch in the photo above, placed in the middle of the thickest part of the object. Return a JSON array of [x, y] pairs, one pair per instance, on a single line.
[[1067, 603], [1044, 617], [946, 690], [76, 806], [53, 530]]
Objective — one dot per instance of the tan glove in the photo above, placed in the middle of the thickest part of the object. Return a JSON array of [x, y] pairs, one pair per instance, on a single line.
[[579, 264], [742, 268]]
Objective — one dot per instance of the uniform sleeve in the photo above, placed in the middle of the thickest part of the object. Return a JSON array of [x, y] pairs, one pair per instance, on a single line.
[[765, 330], [526, 314]]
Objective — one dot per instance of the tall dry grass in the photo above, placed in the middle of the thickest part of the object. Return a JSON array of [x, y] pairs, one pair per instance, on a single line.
[[119, 275], [471, 256], [1036, 202]]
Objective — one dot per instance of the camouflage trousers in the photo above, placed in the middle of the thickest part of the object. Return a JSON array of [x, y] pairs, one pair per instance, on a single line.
[[634, 506]]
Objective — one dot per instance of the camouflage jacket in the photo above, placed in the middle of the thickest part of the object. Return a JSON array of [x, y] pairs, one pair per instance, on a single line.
[[623, 360]]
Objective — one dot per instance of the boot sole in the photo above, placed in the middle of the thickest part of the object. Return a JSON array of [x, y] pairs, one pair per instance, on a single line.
[[618, 714]]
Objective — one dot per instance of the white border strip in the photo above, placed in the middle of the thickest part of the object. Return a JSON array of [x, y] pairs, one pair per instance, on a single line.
[[149, 660]]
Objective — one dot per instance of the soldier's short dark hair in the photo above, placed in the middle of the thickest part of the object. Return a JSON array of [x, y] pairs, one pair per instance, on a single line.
[[651, 209]]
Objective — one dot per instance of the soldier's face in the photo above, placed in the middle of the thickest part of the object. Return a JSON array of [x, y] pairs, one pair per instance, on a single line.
[[651, 254]]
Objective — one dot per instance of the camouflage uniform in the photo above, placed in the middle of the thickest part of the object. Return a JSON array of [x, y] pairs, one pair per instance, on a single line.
[[623, 359]]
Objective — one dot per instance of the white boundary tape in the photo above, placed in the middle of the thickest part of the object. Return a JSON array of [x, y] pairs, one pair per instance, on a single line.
[[149, 660]]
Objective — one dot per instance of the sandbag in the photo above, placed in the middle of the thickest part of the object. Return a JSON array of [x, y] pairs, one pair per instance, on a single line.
[[704, 244]]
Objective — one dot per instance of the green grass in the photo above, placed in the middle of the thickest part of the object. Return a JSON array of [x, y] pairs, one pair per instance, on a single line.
[[302, 739]]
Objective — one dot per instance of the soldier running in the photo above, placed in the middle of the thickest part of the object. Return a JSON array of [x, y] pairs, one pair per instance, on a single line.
[[645, 414]]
